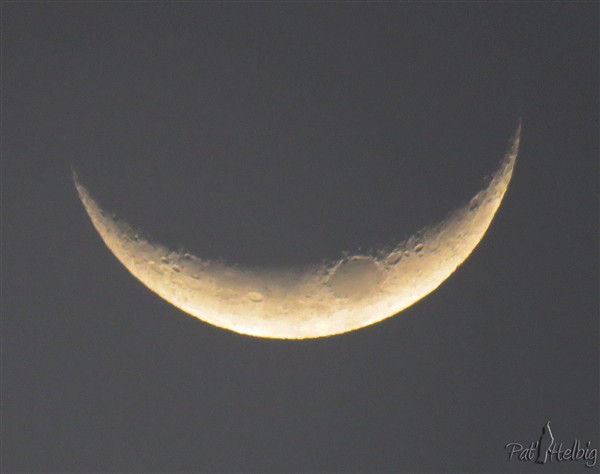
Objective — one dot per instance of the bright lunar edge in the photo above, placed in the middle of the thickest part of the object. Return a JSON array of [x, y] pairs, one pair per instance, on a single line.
[[310, 301]]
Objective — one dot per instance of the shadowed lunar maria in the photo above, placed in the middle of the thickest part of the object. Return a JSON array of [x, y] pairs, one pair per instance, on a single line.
[[317, 300]]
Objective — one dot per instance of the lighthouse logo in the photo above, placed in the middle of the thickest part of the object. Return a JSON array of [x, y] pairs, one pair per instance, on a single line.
[[544, 444]]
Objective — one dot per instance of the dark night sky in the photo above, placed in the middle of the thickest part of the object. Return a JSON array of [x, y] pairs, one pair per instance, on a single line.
[[277, 133]]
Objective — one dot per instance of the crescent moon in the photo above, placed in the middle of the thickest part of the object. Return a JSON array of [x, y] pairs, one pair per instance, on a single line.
[[311, 301]]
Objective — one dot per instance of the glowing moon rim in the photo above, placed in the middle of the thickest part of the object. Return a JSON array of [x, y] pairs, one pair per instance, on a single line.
[[312, 301]]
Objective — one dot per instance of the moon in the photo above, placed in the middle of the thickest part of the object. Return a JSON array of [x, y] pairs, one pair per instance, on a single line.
[[318, 300]]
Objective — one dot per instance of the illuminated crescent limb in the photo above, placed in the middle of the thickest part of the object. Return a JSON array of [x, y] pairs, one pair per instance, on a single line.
[[316, 300]]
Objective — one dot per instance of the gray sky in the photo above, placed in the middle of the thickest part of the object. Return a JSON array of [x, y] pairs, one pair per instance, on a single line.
[[278, 133]]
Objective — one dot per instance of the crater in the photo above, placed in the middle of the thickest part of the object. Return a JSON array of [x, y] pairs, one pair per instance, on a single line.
[[355, 278]]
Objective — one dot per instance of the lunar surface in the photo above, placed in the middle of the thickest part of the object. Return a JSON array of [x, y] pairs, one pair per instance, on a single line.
[[317, 300]]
